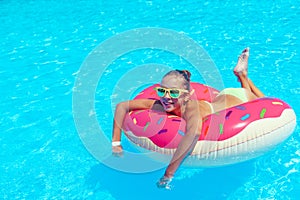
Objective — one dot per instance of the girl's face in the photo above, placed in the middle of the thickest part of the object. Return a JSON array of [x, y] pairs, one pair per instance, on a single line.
[[170, 103]]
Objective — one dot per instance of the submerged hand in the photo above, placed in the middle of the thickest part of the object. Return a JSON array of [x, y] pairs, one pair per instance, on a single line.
[[164, 182], [117, 151]]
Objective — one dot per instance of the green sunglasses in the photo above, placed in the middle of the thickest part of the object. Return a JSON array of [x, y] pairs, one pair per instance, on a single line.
[[174, 93]]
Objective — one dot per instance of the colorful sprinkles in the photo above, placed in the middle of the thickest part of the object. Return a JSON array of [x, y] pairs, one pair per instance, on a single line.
[[176, 120], [146, 126], [162, 131], [206, 130], [243, 118], [160, 120], [152, 92], [181, 132], [262, 113], [221, 128], [241, 107], [277, 103], [228, 114]]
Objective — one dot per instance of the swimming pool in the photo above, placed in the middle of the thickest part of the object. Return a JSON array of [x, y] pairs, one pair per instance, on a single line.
[[43, 45]]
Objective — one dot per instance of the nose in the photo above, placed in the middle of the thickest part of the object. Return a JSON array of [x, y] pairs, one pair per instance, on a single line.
[[167, 95]]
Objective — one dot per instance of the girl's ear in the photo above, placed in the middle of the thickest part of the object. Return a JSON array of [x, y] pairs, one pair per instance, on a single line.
[[187, 96]]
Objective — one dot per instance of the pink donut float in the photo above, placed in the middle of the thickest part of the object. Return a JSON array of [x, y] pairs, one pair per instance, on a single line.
[[230, 136]]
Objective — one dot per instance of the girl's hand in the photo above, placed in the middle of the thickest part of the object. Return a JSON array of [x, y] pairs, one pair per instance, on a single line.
[[117, 150], [164, 182]]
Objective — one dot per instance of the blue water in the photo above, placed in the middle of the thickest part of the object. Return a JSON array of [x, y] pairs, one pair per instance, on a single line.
[[42, 47]]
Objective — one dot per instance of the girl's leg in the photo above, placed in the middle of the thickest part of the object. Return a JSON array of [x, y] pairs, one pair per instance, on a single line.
[[243, 79], [241, 71], [255, 89], [248, 84]]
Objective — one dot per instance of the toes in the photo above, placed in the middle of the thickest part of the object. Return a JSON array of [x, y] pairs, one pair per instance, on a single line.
[[246, 51]]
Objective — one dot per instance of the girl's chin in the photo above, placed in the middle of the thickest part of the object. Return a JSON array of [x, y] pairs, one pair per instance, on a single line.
[[169, 108]]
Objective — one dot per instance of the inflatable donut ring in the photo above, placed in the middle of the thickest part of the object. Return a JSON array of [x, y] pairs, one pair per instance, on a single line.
[[230, 136]]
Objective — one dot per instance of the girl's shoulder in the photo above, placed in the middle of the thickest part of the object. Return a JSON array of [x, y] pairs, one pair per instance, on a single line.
[[197, 107]]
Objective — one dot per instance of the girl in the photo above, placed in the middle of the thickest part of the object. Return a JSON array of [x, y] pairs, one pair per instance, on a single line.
[[174, 93]]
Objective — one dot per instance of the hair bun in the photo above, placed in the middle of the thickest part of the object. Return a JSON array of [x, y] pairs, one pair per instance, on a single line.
[[188, 74], [185, 73]]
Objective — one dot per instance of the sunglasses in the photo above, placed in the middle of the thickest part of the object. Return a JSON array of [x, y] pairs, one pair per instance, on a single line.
[[174, 93]]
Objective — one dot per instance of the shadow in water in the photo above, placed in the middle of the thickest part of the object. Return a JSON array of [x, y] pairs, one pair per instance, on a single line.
[[211, 183]]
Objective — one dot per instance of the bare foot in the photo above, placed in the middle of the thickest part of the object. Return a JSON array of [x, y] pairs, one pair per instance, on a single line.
[[242, 64]]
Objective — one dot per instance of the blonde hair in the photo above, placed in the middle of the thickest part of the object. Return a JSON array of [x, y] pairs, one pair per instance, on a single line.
[[185, 74]]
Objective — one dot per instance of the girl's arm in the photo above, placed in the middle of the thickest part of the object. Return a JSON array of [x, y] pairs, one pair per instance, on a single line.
[[120, 112], [193, 130]]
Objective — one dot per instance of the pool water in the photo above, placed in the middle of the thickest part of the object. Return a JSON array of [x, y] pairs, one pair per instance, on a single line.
[[43, 45]]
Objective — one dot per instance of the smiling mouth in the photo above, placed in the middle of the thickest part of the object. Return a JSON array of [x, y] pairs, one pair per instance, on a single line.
[[168, 103]]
